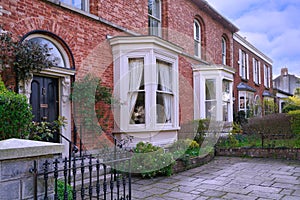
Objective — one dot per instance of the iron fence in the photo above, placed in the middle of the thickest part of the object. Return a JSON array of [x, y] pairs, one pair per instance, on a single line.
[[87, 178]]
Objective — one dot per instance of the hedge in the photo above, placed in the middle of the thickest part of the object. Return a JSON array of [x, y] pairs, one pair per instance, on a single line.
[[295, 121], [15, 114]]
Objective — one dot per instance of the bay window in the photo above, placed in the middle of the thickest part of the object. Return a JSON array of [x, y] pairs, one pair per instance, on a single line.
[[146, 85], [246, 102]]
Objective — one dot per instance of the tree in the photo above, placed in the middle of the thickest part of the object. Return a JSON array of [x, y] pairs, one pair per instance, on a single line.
[[292, 103]]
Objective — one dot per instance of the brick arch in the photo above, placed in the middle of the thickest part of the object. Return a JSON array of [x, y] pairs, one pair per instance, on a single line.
[[29, 25], [200, 20]]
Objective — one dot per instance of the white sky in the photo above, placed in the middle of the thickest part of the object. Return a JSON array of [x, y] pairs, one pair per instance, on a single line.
[[272, 26]]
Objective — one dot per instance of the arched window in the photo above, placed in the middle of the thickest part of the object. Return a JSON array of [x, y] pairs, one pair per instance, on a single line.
[[224, 49], [197, 39], [154, 17], [56, 55], [257, 111]]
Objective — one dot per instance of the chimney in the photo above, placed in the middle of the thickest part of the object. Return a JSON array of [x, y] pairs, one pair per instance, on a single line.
[[284, 71]]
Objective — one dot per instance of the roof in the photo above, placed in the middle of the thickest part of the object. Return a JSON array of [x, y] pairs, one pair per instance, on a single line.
[[266, 93], [245, 87], [238, 38], [215, 15]]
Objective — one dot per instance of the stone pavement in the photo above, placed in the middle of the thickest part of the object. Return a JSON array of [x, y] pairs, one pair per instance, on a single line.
[[226, 178]]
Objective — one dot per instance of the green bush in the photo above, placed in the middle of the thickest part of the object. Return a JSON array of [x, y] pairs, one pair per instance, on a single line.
[[61, 190], [15, 114], [150, 161], [295, 121], [185, 148]]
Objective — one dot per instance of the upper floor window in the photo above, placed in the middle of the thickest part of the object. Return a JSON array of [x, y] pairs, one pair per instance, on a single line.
[[243, 64], [197, 38], [154, 17], [80, 4], [256, 71], [267, 79], [224, 49]]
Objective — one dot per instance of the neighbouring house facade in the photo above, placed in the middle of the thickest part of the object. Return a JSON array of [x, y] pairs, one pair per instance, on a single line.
[[285, 85], [286, 82], [167, 62], [253, 89]]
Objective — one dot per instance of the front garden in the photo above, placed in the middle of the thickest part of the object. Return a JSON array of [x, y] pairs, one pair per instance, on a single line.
[[274, 135]]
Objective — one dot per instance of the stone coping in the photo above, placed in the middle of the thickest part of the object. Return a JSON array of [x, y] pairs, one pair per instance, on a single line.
[[20, 148]]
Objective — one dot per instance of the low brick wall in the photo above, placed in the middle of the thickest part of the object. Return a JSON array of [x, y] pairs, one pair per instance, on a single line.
[[280, 153], [16, 159], [181, 165]]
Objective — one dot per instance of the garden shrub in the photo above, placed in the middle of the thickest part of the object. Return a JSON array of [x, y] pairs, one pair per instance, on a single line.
[[15, 114], [150, 161], [269, 127], [240, 118], [61, 190], [184, 148], [295, 121], [194, 130]]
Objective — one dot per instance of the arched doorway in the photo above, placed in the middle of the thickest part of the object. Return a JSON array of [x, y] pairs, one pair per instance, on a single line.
[[49, 90]]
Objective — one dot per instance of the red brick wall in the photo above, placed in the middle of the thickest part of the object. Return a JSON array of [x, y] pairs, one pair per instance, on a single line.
[[181, 25], [86, 37], [131, 14], [260, 88]]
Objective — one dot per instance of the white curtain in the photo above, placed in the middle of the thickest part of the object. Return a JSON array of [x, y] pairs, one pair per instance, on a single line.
[[166, 84], [136, 73]]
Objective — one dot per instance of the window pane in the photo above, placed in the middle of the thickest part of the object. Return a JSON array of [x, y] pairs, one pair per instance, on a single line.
[[55, 56], [164, 76], [225, 111], [80, 4], [138, 114], [163, 108], [210, 109], [210, 90], [164, 95], [197, 48], [136, 68]]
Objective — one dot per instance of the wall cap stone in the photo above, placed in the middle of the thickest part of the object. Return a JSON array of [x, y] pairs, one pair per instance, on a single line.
[[20, 148]]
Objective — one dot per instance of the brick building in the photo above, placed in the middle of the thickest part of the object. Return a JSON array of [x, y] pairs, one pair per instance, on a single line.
[[253, 87], [168, 62]]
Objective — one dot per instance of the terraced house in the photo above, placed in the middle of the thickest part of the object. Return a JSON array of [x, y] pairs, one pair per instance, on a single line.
[[168, 62], [253, 88]]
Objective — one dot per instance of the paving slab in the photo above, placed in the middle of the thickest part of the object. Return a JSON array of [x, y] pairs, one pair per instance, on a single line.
[[226, 178]]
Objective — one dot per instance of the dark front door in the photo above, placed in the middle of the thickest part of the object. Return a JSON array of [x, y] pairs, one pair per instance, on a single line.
[[44, 100]]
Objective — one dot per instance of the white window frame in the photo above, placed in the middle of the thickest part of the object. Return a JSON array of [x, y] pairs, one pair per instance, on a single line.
[[256, 71], [224, 49], [84, 4], [243, 64], [151, 17], [267, 76], [247, 96], [150, 56], [197, 39], [213, 109]]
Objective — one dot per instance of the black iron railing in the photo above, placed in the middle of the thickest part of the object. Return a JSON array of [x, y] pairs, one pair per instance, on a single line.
[[91, 179]]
